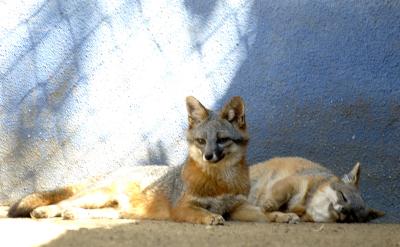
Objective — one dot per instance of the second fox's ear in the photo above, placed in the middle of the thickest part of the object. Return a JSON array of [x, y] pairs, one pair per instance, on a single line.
[[233, 111], [353, 177], [196, 111], [373, 214]]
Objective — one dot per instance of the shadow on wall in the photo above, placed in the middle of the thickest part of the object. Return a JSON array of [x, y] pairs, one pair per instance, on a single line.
[[201, 9], [41, 87], [156, 155], [322, 81], [32, 117]]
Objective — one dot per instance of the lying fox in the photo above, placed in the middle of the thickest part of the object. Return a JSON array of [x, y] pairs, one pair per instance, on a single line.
[[212, 184], [312, 192]]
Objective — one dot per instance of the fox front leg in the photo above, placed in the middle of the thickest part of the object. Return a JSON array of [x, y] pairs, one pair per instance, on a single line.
[[280, 217], [281, 192], [190, 213], [248, 212]]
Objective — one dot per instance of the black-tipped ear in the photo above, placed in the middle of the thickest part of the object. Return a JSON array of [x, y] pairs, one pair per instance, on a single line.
[[353, 177], [233, 111], [196, 111], [374, 214]]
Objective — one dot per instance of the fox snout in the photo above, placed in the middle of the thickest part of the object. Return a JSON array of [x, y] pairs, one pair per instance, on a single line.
[[213, 149], [213, 156]]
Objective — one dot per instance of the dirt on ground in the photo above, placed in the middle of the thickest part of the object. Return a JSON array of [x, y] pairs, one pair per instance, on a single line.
[[58, 232]]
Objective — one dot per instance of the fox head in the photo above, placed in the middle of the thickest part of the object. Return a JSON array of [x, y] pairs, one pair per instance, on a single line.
[[342, 202], [216, 138]]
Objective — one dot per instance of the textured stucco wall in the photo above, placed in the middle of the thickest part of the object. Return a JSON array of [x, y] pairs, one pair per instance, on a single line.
[[91, 86]]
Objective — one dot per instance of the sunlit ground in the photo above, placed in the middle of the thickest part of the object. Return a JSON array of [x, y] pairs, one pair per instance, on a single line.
[[28, 232]]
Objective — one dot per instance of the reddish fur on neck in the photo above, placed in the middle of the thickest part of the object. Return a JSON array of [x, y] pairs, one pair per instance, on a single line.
[[213, 183]]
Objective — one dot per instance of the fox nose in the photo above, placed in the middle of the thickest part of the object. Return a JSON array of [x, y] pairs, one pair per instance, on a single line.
[[213, 157], [208, 157]]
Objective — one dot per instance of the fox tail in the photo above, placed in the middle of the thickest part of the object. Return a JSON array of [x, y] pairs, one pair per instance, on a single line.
[[27, 204]]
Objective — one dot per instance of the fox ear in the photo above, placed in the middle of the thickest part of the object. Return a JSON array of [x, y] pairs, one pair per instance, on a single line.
[[196, 111], [233, 111], [353, 177], [374, 214]]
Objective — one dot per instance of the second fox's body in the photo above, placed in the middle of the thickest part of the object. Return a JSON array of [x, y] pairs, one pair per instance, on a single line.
[[314, 193]]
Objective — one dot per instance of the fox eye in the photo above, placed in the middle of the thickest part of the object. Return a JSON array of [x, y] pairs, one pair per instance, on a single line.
[[223, 140], [342, 196], [200, 141]]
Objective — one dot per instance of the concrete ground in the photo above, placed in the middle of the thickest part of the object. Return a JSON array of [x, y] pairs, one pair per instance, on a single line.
[[57, 232]]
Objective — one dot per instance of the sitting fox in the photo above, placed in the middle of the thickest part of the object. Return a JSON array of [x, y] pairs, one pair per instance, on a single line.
[[314, 193], [212, 184]]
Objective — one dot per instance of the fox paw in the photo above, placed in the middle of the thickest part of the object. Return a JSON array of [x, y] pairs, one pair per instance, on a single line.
[[74, 214], [39, 213], [290, 218], [45, 212], [269, 205], [214, 219]]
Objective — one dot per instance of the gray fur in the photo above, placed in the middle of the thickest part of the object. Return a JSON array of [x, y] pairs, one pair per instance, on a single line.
[[171, 183], [220, 204]]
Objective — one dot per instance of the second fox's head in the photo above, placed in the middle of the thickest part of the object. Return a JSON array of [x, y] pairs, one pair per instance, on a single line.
[[217, 138]]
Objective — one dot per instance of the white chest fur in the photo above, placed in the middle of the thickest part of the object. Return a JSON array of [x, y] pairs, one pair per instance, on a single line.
[[319, 207]]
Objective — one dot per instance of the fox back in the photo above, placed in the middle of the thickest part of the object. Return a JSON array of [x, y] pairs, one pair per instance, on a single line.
[[310, 190]]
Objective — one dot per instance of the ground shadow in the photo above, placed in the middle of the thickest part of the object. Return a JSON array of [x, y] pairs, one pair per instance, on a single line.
[[153, 233]]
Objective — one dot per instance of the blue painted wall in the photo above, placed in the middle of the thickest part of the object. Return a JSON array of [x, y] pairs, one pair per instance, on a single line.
[[91, 86], [322, 81]]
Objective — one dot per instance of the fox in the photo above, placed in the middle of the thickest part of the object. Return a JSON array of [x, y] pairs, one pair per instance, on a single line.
[[310, 190], [210, 187]]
